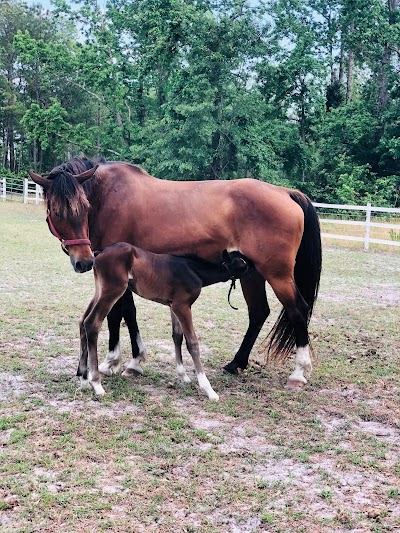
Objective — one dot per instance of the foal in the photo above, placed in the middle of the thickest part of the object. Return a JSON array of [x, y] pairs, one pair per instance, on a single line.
[[175, 281]]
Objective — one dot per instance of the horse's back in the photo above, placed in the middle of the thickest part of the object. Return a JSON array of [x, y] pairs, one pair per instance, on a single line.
[[203, 217]]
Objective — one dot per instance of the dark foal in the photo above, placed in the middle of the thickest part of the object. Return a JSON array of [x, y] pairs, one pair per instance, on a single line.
[[175, 281]]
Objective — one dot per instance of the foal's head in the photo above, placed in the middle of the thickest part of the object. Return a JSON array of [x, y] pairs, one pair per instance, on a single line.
[[67, 213]]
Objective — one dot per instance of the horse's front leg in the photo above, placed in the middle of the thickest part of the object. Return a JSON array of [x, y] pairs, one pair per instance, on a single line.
[[256, 298], [177, 336], [138, 348], [184, 315], [112, 364]]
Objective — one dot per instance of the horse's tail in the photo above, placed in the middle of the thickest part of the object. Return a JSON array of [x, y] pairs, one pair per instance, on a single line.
[[307, 274]]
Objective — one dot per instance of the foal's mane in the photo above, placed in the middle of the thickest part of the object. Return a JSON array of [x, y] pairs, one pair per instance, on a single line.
[[66, 193]]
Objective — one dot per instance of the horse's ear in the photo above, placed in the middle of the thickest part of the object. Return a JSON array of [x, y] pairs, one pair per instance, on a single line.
[[40, 180], [86, 175]]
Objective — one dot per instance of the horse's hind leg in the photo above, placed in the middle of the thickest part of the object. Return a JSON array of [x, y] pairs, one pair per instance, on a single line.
[[123, 308], [254, 292], [184, 314], [296, 330], [177, 336], [113, 362], [138, 348]]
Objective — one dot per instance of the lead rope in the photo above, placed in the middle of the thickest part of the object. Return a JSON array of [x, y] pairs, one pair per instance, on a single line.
[[233, 286]]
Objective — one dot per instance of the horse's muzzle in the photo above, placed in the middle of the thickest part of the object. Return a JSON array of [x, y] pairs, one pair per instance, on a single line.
[[81, 266]]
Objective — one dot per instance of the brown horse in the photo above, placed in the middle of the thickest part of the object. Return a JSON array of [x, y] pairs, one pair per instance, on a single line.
[[275, 227], [175, 281]]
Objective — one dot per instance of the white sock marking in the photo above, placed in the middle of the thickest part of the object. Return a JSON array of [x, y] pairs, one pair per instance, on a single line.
[[205, 386], [303, 364], [112, 363], [85, 385]]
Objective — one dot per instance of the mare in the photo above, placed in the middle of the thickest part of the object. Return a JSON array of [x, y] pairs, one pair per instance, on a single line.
[[275, 227], [175, 281]]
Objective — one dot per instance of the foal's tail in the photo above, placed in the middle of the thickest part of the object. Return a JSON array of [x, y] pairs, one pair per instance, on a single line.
[[307, 273]]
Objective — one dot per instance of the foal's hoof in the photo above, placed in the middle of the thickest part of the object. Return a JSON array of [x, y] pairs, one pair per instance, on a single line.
[[295, 384], [231, 368], [213, 397], [84, 383]]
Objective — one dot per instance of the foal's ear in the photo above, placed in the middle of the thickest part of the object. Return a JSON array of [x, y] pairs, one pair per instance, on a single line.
[[86, 175], [40, 180]]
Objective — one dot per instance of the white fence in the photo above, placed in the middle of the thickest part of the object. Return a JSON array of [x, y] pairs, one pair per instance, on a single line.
[[366, 223], [27, 191]]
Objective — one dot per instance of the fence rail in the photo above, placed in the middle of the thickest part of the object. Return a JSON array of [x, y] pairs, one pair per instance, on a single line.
[[367, 223], [27, 191]]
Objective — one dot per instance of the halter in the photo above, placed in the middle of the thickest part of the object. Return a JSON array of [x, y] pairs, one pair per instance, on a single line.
[[64, 242]]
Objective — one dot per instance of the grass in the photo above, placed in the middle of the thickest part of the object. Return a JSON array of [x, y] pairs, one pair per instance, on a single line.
[[154, 455]]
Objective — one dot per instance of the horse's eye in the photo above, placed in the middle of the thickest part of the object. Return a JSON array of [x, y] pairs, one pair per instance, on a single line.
[[57, 214]]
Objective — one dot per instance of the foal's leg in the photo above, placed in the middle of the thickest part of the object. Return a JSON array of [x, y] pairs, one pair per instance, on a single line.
[[92, 324], [254, 293], [177, 336], [138, 348], [83, 359], [184, 315]]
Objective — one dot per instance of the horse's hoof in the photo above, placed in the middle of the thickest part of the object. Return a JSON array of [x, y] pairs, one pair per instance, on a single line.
[[105, 370], [231, 368], [129, 372], [295, 384]]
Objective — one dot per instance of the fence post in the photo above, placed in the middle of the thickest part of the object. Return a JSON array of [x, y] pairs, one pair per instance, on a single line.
[[367, 226], [4, 189], [25, 191], [37, 194]]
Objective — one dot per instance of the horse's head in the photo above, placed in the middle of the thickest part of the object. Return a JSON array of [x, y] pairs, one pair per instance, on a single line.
[[68, 212]]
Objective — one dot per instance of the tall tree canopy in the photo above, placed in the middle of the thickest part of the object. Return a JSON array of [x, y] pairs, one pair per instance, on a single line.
[[304, 93]]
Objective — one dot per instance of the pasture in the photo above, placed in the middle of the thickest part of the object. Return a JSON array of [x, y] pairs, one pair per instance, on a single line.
[[155, 455]]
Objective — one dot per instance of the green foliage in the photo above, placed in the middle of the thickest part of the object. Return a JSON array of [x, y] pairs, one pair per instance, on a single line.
[[302, 93]]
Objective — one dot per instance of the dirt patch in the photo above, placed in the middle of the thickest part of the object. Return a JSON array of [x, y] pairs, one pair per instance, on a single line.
[[12, 386]]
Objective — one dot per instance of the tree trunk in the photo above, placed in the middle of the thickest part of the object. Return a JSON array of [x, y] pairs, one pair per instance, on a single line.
[[350, 70], [383, 92]]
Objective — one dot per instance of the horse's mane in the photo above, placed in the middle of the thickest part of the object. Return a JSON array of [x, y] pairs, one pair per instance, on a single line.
[[66, 193]]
